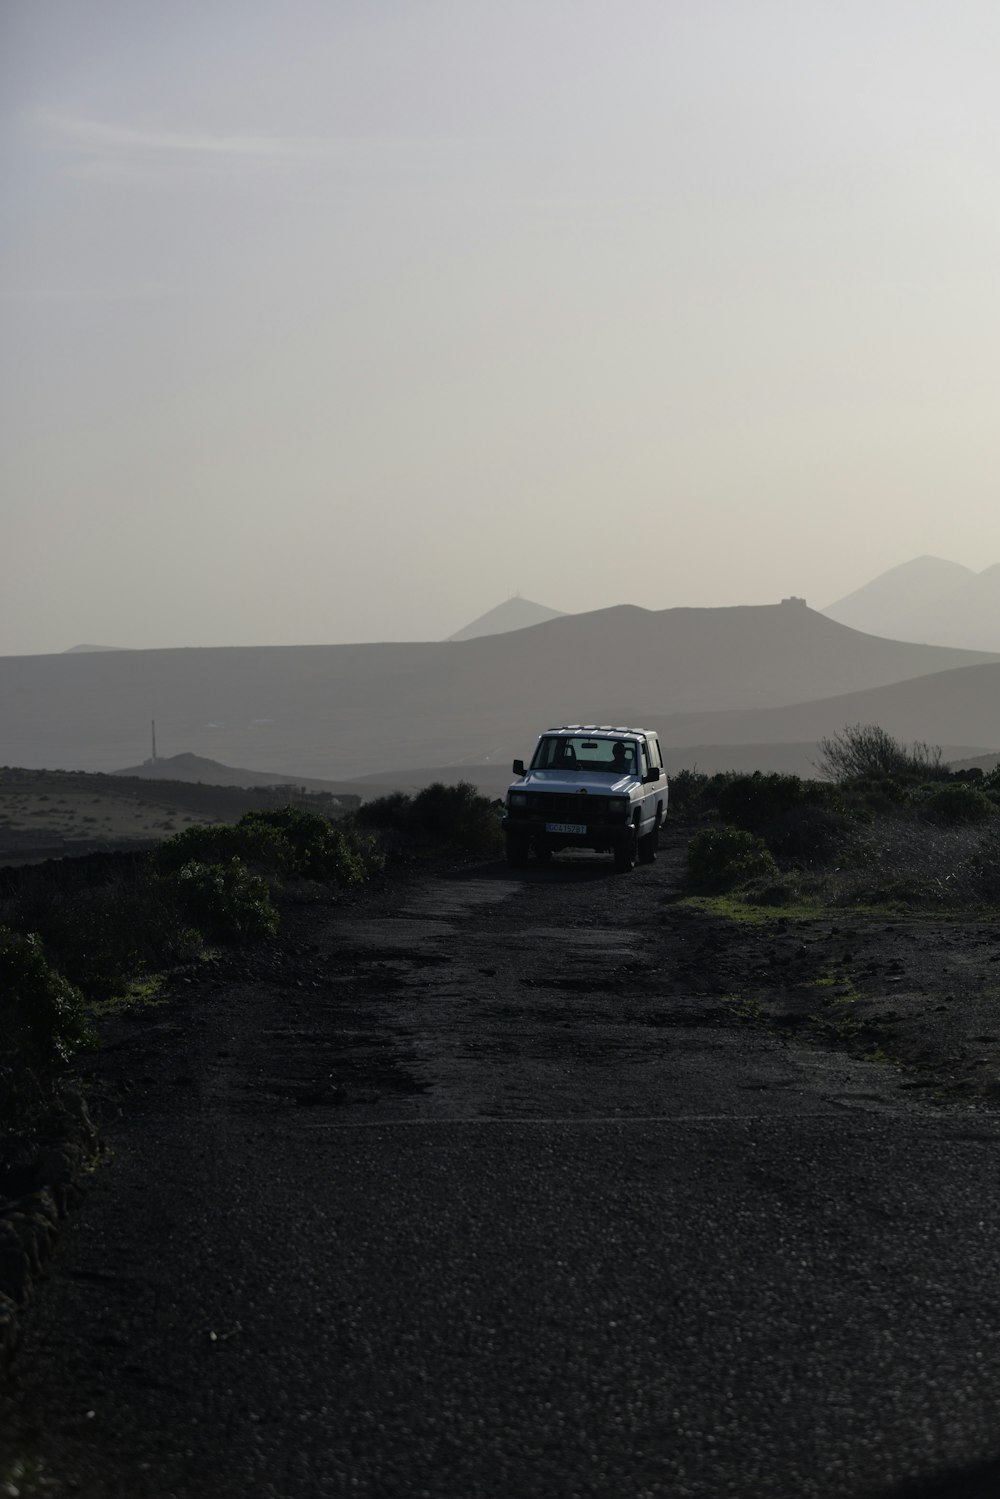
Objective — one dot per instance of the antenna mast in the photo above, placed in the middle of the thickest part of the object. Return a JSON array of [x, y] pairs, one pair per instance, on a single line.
[[154, 741]]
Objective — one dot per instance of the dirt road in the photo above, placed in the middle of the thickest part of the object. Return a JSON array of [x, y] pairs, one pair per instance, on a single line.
[[485, 1188]]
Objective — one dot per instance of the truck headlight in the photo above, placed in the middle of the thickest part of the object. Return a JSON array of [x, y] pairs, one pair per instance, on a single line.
[[517, 801]]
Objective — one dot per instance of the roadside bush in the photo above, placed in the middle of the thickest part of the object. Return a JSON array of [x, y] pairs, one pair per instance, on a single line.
[[754, 802], [686, 790], [867, 752], [251, 840], [879, 795], [226, 902], [104, 938], [385, 812], [958, 803], [808, 835], [104, 919], [321, 850], [42, 1017], [720, 859], [714, 788], [282, 843], [458, 814], [440, 814], [801, 821]]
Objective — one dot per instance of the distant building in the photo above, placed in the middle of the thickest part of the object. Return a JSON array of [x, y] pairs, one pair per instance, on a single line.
[[793, 600]]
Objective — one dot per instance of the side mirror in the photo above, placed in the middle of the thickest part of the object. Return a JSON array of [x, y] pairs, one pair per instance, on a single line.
[[519, 767], [650, 776]]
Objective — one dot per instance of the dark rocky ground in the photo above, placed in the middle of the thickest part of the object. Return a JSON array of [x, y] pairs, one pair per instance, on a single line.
[[496, 1184], [920, 991]]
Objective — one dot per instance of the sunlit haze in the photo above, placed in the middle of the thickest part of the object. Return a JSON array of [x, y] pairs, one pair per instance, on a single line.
[[341, 321]]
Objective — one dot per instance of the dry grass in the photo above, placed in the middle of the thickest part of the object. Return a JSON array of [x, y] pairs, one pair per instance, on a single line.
[[49, 812], [36, 825], [916, 862]]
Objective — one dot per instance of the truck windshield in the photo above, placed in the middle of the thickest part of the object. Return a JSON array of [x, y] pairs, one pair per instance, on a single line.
[[577, 752]]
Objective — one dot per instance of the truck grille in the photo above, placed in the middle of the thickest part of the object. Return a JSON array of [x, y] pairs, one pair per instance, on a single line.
[[556, 806]]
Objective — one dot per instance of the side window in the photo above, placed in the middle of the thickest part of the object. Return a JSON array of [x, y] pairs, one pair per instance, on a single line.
[[644, 758]]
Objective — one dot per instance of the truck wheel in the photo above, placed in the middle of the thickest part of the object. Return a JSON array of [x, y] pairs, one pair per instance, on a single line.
[[625, 852], [517, 850], [648, 846]]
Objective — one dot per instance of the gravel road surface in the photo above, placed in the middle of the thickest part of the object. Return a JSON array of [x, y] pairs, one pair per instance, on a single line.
[[476, 1190]]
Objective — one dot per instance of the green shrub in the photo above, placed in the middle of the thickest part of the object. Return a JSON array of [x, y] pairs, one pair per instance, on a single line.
[[251, 840], [42, 1018], [809, 834], [751, 801], [385, 812], [881, 794], [226, 902], [440, 814], [332, 853], [104, 920], [281, 843], [958, 803], [458, 814], [802, 821], [754, 802], [720, 859], [103, 938], [687, 787]]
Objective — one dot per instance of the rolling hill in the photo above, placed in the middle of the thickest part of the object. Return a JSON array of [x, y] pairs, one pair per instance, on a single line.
[[959, 710], [347, 711], [198, 770]]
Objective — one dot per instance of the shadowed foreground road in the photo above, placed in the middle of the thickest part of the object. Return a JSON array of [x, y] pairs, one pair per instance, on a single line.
[[479, 1194]]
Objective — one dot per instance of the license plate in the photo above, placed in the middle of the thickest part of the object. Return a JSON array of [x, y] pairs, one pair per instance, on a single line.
[[565, 827]]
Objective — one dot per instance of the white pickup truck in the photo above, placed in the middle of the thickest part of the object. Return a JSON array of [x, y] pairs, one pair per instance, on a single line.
[[588, 786]]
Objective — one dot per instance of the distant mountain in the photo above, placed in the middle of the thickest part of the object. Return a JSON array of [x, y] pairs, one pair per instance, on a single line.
[[890, 603], [985, 763], [347, 711], [928, 600], [513, 614], [968, 617], [76, 650]]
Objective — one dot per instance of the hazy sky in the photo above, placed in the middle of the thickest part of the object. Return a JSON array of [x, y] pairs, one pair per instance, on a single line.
[[331, 320]]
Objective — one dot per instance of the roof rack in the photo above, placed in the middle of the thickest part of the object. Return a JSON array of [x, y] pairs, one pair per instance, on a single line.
[[592, 728]]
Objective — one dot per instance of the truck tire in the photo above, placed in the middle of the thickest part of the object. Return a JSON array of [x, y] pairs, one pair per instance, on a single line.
[[648, 846], [625, 852], [517, 850]]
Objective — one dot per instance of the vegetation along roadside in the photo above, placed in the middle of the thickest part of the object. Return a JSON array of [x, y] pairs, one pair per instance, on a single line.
[[82, 937], [859, 910]]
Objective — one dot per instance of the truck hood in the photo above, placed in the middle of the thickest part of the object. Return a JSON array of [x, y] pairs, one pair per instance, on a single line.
[[558, 780]]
